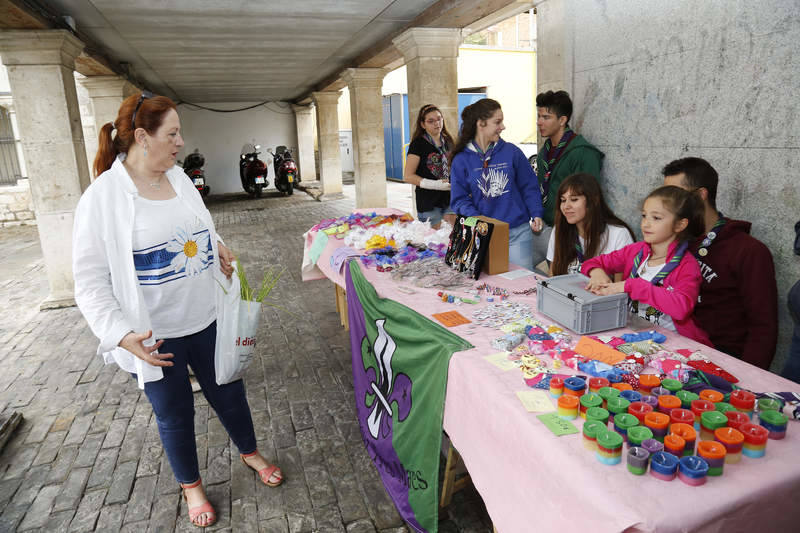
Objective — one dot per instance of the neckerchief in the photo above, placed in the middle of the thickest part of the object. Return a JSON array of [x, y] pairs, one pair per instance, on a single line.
[[485, 156], [712, 234], [658, 279], [579, 249], [441, 149], [551, 157]]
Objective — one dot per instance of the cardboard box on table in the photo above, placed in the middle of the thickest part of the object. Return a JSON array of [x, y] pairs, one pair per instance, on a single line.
[[496, 261]]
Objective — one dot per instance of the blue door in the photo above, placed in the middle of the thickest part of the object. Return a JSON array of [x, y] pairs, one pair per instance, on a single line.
[[393, 135]]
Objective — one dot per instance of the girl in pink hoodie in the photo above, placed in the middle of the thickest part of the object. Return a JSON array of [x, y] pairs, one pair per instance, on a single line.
[[660, 276]]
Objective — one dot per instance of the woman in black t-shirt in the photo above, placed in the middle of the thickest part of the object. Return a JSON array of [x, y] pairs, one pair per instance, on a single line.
[[427, 167]]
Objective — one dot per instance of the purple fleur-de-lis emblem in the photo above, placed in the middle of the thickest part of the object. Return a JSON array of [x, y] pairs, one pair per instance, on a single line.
[[386, 387]]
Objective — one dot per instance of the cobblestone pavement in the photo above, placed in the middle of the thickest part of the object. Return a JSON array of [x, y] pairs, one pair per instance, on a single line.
[[88, 456]]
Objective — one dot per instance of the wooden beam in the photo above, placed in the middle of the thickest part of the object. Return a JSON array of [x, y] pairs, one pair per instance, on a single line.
[[442, 14], [14, 16]]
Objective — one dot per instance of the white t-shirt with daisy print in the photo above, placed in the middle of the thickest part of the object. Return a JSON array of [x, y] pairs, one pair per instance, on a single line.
[[173, 258]]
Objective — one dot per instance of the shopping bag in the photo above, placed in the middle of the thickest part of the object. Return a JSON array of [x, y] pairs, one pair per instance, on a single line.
[[237, 322]]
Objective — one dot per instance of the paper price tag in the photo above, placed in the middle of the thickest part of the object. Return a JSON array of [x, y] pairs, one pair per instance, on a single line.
[[535, 401], [451, 318], [500, 360], [471, 221], [557, 425]]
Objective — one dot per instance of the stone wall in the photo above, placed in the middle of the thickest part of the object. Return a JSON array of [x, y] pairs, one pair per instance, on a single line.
[[16, 205], [654, 81]]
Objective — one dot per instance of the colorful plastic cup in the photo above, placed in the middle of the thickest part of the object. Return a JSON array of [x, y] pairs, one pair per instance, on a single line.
[[744, 401], [693, 470], [658, 423], [622, 386], [651, 400], [638, 434], [631, 395], [568, 407], [590, 399], [623, 422], [681, 416], [672, 385], [606, 393], [590, 430], [713, 453], [736, 419], [668, 402], [724, 407], [638, 458], [687, 433], [733, 440], [698, 408], [647, 382], [711, 395], [609, 448], [674, 444], [711, 421], [774, 422], [659, 391], [769, 404], [598, 414], [556, 387], [616, 406], [575, 386], [652, 446], [639, 410], [687, 397], [595, 384], [664, 466], [755, 440]]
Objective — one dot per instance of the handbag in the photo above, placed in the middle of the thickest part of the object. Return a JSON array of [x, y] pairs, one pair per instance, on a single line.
[[237, 324]]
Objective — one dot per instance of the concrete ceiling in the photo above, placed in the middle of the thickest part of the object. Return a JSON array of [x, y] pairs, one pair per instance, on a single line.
[[246, 50]]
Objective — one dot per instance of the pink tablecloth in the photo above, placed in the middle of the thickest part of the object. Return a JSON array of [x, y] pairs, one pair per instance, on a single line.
[[531, 480]]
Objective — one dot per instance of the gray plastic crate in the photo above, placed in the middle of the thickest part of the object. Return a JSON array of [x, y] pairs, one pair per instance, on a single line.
[[564, 299]]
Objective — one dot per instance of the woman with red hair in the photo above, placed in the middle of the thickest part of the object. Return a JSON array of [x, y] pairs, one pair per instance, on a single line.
[[146, 260]]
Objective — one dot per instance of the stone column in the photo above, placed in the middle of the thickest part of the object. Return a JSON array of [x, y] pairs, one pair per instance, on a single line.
[[431, 56], [304, 117], [330, 160], [107, 94], [366, 111], [555, 55], [40, 70]]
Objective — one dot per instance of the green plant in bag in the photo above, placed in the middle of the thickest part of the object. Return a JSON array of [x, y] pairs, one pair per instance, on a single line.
[[261, 293], [268, 282]]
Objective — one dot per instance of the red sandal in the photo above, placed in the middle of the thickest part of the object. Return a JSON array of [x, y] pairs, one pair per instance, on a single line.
[[266, 472], [198, 510]]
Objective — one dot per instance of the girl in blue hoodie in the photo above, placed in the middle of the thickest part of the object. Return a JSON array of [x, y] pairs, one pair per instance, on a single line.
[[493, 178]]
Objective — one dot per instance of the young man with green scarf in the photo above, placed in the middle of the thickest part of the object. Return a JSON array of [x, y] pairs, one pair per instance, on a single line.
[[563, 153]]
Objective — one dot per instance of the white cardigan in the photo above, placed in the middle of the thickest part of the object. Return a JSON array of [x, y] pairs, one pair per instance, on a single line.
[[106, 288]]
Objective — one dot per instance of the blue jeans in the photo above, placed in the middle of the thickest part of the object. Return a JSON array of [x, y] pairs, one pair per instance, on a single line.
[[520, 246], [173, 402], [435, 215], [792, 368]]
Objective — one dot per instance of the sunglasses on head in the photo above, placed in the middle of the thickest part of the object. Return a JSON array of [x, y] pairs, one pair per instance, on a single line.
[[145, 94]]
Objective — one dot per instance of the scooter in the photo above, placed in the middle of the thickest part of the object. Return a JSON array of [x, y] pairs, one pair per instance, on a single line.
[[193, 167], [252, 170], [285, 170]]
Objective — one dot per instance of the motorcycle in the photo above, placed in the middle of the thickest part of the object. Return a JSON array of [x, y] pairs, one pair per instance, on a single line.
[[193, 167], [252, 170], [286, 176]]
